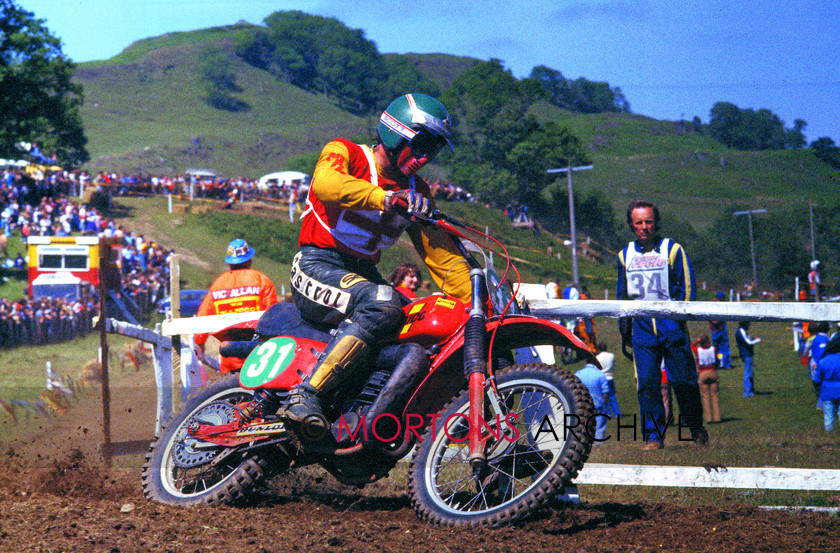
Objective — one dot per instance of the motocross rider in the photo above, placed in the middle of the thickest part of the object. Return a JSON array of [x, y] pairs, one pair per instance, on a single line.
[[356, 207]]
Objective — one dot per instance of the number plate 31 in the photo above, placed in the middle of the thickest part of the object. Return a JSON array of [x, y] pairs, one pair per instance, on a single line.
[[267, 362]]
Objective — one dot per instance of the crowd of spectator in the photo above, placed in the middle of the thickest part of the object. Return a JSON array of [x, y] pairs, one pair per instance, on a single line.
[[35, 322], [241, 188], [33, 204], [40, 202]]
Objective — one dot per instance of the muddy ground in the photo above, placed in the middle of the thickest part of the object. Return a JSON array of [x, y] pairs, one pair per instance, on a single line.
[[56, 496]]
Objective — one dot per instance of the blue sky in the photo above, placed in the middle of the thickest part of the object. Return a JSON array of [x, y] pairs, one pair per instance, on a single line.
[[671, 60]]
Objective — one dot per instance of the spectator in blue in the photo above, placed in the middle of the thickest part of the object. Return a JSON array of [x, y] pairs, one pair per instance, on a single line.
[[571, 292], [746, 349], [827, 380], [815, 350], [720, 339], [599, 389]]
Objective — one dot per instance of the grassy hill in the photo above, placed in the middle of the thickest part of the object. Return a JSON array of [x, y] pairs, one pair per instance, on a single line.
[[144, 112]]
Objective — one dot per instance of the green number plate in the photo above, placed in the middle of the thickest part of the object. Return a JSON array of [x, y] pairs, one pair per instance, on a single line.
[[267, 361]]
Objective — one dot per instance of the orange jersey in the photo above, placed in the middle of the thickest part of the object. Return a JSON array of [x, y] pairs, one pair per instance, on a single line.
[[345, 212], [237, 291]]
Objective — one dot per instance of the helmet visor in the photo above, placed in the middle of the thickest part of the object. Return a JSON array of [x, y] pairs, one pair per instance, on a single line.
[[426, 144]]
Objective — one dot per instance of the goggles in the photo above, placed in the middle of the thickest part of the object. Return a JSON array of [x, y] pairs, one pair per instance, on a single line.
[[425, 144]]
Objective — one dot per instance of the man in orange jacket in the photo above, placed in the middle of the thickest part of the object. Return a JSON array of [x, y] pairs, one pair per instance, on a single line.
[[238, 290]]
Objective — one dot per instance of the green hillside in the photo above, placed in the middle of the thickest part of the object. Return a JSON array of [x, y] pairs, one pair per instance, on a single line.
[[143, 112], [691, 176], [146, 114]]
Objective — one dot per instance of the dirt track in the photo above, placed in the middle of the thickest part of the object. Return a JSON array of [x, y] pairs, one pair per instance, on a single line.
[[57, 498]]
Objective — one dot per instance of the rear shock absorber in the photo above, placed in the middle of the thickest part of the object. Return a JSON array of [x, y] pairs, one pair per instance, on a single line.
[[263, 401]]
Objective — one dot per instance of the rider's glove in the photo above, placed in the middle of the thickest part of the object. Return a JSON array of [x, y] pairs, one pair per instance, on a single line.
[[409, 200]]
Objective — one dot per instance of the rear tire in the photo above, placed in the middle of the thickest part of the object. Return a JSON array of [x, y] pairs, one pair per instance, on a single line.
[[526, 467], [183, 471]]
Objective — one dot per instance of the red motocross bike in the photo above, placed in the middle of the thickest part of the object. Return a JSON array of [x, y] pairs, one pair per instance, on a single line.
[[493, 433]]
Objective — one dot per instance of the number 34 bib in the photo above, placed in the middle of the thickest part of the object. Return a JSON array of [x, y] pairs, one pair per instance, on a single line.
[[647, 273]]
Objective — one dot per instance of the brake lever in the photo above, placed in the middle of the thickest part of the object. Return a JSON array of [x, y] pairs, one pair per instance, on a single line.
[[435, 216]]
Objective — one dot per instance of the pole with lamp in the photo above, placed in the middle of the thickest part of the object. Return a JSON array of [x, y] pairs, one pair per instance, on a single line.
[[813, 243], [749, 213], [572, 226]]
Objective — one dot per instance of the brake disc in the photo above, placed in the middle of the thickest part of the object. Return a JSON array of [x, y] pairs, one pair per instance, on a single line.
[[192, 452]]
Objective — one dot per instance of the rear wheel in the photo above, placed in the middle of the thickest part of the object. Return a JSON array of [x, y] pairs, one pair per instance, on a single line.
[[530, 458], [182, 470]]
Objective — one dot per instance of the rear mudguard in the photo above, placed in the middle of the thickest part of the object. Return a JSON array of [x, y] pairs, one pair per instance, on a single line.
[[446, 375]]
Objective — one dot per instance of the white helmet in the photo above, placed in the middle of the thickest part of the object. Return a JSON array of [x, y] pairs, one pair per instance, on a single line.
[[814, 264]]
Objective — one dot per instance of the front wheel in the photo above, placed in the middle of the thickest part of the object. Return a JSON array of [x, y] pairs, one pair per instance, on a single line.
[[538, 448], [182, 470]]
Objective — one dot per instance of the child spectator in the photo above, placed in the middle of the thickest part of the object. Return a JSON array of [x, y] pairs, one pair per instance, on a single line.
[[607, 361], [707, 377], [596, 383]]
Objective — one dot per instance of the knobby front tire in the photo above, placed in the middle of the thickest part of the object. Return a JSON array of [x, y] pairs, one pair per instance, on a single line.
[[183, 471], [526, 467]]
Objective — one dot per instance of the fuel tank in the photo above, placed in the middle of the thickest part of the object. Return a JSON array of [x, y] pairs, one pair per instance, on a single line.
[[433, 319]]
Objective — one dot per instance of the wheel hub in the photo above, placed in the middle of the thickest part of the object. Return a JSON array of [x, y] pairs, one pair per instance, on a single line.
[[191, 452]]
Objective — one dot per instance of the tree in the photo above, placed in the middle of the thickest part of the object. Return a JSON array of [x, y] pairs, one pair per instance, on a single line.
[[219, 79], [581, 95], [795, 138], [747, 129], [38, 101], [826, 151], [319, 54], [505, 152]]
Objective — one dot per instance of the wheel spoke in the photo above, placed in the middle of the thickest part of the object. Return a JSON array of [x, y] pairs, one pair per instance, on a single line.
[[514, 468]]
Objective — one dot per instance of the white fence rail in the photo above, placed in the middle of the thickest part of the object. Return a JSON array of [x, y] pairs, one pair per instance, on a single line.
[[560, 309], [687, 310], [644, 475], [760, 478]]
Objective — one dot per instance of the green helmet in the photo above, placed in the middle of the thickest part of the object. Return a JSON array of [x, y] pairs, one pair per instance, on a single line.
[[419, 119]]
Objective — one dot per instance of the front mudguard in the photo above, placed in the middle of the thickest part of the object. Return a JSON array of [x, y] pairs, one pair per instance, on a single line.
[[446, 376]]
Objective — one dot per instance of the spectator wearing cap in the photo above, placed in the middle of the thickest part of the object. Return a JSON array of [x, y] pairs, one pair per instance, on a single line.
[[238, 290]]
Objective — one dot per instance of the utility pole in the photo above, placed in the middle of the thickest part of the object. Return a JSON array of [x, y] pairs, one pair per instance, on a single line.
[[572, 226], [749, 214], [813, 244]]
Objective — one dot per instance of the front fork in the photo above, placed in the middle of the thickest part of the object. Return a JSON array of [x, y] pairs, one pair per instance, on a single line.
[[477, 456], [475, 366]]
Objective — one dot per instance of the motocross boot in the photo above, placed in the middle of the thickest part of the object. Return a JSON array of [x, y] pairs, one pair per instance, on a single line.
[[346, 351]]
